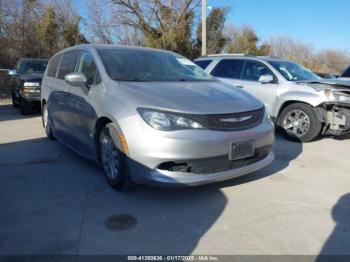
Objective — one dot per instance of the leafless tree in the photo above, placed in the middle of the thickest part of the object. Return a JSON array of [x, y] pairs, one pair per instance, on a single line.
[[330, 61], [164, 23], [289, 48], [105, 26], [323, 61]]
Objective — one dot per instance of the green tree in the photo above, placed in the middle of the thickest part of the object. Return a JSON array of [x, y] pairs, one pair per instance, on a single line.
[[216, 40], [48, 32], [244, 40]]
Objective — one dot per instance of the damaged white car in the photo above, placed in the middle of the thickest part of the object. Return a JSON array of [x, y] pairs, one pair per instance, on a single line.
[[299, 101]]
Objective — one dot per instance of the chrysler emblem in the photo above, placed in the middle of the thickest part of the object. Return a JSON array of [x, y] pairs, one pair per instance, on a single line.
[[236, 119]]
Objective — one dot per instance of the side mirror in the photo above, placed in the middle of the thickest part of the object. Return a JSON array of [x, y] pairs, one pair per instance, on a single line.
[[76, 79], [12, 72], [265, 79]]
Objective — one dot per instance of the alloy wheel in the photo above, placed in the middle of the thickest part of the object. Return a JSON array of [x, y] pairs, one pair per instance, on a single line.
[[110, 157], [297, 122], [45, 116]]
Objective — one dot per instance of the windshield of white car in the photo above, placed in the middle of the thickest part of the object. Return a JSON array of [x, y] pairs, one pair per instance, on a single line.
[[149, 65], [294, 72]]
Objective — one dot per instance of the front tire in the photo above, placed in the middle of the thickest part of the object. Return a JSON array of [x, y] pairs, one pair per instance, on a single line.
[[14, 100], [47, 123], [299, 122], [113, 161]]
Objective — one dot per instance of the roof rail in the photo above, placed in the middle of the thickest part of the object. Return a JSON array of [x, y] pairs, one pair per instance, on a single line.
[[267, 56], [229, 54]]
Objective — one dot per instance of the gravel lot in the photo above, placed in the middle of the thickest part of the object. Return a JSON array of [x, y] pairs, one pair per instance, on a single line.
[[55, 202]]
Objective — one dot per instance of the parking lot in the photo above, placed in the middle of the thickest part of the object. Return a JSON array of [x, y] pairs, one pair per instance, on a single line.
[[55, 202]]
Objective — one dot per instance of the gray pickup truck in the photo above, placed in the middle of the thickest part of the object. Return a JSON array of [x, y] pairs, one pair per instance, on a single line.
[[298, 100]]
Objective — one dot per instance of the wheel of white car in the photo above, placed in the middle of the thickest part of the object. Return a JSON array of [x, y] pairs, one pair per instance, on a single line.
[[47, 123], [299, 122], [113, 161]]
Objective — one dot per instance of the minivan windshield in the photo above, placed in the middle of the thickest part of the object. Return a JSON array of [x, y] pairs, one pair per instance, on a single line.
[[33, 67], [294, 72], [148, 65]]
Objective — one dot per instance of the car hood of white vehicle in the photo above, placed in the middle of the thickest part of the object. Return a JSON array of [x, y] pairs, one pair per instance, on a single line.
[[328, 85]]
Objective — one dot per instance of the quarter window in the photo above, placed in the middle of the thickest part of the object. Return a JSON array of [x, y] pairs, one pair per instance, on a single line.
[[229, 68], [68, 64], [254, 70], [203, 63], [88, 67]]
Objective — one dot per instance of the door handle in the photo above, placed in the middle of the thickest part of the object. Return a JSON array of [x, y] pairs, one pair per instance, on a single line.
[[239, 86]]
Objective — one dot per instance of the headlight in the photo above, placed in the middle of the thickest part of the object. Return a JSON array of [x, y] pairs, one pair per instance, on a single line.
[[167, 121], [31, 84], [337, 96]]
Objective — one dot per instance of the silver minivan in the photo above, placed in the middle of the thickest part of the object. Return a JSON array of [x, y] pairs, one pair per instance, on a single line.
[[153, 117]]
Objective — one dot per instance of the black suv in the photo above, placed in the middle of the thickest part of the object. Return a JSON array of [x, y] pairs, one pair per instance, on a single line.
[[25, 83], [346, 74]]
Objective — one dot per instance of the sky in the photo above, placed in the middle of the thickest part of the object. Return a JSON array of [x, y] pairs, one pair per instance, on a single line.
[[321, 23]]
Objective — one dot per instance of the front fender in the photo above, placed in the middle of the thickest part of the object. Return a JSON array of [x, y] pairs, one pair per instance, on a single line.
[[312, 99]]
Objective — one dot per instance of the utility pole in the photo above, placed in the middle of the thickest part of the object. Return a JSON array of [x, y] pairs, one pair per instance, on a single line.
[[204, 27]]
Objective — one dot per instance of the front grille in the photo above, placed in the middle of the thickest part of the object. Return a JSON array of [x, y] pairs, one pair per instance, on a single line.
[[212, 165], [215, 121]]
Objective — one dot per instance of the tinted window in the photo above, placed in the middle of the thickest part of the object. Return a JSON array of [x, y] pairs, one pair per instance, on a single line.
[[203, 63], [346, 73], [32, 67], [230, 68], [253, 70], [88, 67], [67, 64], [148, 65], [53, 64]]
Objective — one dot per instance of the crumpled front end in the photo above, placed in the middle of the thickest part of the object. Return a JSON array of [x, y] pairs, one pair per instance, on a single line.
[[336, 118], [335, 112]]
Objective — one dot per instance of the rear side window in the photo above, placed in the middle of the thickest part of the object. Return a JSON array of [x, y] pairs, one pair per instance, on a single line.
[[229, 68], [203, 63], [67, 65], [346, 73], [53, 64]]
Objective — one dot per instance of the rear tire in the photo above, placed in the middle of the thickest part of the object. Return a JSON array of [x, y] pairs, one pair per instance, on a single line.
[[113, 161], [47, 123], [25, 108], [299, 122]]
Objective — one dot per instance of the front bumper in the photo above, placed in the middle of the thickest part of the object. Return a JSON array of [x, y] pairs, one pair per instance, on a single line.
[[149, 149], [180, 179], [31, 97]]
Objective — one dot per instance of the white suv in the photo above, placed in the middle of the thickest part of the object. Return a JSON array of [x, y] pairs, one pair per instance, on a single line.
[[299, 101]]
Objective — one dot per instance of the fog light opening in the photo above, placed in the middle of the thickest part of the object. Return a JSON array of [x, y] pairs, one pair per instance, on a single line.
[[175, 167]]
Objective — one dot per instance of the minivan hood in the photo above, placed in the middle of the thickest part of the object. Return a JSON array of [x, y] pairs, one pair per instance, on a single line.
[[202, 97]]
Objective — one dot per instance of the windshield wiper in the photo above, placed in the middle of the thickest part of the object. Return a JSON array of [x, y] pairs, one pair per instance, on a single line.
[[310, 81], [130, 79]]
